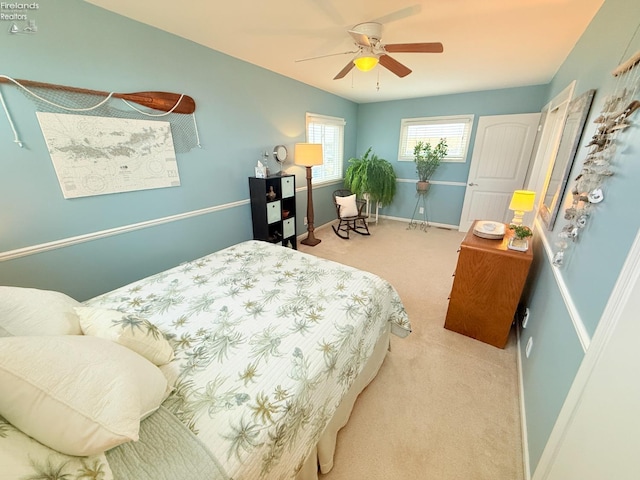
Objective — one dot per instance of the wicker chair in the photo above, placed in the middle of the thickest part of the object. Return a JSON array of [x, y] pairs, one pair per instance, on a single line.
[[350, 218]]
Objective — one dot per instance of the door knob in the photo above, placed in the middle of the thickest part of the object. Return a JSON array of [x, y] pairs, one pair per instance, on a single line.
[[473, 184]]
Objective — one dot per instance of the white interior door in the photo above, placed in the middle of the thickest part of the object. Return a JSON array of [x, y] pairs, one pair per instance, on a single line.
[[501, 156]]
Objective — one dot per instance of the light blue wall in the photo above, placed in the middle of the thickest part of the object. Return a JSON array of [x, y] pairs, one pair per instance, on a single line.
[[379, 127], [556, 354], [594, 262], [242, 110]]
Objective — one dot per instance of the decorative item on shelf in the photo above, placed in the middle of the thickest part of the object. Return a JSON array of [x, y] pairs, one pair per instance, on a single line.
[[309, 155], [427, 158], [604, 150], [261, 170], [519, 240], [280, 154], [275, 236], [522, 201], [271, 195]]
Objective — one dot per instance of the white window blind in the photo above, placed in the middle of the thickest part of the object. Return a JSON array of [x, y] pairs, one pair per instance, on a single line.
[[329, 131], [455, 129]]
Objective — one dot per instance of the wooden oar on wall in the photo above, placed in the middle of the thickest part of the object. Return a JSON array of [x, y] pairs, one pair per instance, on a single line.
[[164, 101]]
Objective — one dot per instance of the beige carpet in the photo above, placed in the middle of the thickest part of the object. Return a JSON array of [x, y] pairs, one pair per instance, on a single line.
[[444, 406]]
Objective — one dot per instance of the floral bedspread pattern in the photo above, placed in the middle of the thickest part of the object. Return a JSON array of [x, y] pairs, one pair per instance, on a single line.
[[267, 341], [23, 458]]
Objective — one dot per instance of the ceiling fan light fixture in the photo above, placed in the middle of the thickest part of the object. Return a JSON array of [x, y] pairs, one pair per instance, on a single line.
[[365, 62]]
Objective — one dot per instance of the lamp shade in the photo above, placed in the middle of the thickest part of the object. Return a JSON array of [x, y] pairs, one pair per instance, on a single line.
[[308, 154], [365, 63], [522, 201]]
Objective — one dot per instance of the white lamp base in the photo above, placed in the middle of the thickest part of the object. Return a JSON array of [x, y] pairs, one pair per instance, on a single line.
[[517, 217]]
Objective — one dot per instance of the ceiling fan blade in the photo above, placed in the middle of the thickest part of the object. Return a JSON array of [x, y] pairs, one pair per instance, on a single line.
[[433, 47], [344, 71], [394, 66], [360, 38], [399, 14], [324, 56], [330, 11]]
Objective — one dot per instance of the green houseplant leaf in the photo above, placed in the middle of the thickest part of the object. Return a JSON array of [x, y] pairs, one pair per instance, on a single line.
[[521, 231], [428, 157], [371, 175]]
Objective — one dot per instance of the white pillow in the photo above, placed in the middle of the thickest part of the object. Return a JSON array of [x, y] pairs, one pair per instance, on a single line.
[[21, 455], [348, 206], [129, 330], [171, 372], [76, 394], [30, 311]]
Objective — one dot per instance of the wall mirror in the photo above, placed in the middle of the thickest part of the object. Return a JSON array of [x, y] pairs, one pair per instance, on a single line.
[[280, 153], [569, 142]]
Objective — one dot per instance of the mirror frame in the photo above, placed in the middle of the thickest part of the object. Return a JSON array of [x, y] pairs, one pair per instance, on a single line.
[[552, 195], [280, 153]]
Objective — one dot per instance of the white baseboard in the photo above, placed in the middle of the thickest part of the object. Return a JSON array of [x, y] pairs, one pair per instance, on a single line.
[[526, 463], [408, 220]]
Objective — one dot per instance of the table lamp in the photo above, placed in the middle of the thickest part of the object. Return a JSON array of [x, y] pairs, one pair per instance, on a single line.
[[309, 155], [521, 201]]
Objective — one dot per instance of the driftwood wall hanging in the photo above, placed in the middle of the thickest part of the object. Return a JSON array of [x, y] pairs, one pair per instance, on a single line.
[[177, 109], [589, 187]]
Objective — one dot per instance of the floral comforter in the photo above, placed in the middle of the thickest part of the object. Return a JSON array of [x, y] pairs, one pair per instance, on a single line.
[[267, 342]]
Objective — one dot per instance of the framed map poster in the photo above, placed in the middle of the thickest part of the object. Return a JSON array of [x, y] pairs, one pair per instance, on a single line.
[[101, 155]]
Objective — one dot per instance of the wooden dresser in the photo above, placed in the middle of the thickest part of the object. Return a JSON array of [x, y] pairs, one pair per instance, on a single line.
[[488, 283]]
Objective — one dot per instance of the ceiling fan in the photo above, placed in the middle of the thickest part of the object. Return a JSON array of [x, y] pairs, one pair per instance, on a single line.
[[370, 51]]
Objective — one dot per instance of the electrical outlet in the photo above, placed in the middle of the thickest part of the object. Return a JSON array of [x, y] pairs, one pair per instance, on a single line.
[[421, 211], [525, 318], [305, 220], [527, 350]]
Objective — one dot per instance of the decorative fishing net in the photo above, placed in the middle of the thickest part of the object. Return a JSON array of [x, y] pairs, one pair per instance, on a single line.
[[59, 99]]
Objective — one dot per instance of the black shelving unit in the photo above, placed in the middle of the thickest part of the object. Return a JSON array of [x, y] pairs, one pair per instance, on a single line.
[[273, 209]]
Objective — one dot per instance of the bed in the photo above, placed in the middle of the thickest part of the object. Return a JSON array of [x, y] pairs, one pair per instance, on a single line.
[[269, 349]]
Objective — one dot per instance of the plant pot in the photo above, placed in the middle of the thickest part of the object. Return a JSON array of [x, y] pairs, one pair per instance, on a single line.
[[422, 187]]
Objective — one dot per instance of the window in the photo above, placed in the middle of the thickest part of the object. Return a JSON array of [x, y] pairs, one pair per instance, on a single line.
[[329, 131], [456, 130]]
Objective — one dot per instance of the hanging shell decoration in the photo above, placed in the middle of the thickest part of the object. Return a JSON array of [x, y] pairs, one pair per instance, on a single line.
[[588, 190]]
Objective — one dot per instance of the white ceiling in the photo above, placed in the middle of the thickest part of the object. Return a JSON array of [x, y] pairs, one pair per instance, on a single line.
[[488, 44]]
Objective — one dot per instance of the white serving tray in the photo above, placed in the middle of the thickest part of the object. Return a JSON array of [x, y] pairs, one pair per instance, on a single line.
[[489, 229]]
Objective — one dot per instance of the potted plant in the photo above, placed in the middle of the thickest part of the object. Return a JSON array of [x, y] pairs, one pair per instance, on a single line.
[[428, 158], [373, 176], [519, 240]]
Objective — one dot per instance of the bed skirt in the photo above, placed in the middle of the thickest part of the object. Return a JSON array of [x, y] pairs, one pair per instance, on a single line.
[[321, 458]]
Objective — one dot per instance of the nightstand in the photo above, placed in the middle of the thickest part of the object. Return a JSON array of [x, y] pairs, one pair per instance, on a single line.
[[487, 287]]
